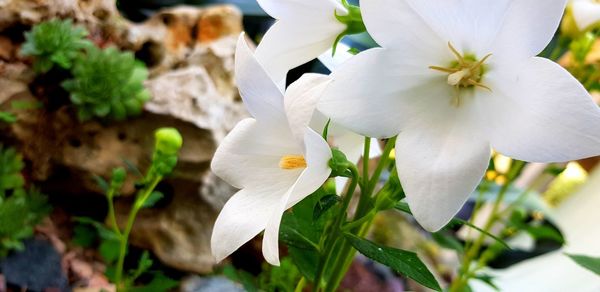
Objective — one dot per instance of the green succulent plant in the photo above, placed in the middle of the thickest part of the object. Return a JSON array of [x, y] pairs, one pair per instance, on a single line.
[[55, 42], [108, 84]]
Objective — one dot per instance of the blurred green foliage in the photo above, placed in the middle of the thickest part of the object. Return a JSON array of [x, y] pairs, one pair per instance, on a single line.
[[108, 84], [55, 42], [20, 209]]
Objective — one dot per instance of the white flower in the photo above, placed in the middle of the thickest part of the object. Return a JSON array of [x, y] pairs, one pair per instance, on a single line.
[[306, 115], [274, 162], [586, 13], [303, 31], [455, 78]]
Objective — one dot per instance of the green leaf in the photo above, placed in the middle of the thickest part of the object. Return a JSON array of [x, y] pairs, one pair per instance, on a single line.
[[103, 231], [487, 279], [144, 264], [590, 263], [403, 207], [152, 199], [109, 250], [7, 117], [457, 221], [159, 282], [298, 227], [298, 233], [84, 235], [306, 260], [545, 232], [324, 204], [447, 241], [404, 262], [241, 277], [102, 183]]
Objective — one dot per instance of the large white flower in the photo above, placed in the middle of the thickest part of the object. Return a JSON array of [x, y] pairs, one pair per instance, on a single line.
[[275, 162], [455, 78], [303, 31], [586, 13]]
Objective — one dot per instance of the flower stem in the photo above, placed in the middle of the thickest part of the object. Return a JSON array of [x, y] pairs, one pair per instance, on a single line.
[[336, 232], [111, 211], [346, 252], [141, 198], [365, 162], [300, 285], [463, 279]]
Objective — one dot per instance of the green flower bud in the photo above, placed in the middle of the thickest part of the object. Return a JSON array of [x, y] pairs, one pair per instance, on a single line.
[[339, 163], [164, 165], [118, 177], [168, 141]]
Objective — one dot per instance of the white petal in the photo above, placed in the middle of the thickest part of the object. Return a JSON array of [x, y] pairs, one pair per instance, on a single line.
[[586, 13], [317, 157], [243, 217], [290, 43], [542, 114], [342, 55], [301, 100], [249, 156], [440, 164], [395, 24], [262, 97], [379, 91], [528, 27], [295, 9]]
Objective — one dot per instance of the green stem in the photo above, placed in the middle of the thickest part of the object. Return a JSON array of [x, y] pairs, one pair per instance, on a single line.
[[346, 251], [389, 146], [359, 223], [336, 234], [365, 162], [464, 277], [124, 238], [300, 285], [484, 188], [111, 211], [367, 191]]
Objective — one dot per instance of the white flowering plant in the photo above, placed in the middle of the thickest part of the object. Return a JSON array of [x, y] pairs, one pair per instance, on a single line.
[[452, 86]]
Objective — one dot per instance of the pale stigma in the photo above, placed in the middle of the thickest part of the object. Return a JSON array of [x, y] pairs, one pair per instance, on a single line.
[[289, 162]]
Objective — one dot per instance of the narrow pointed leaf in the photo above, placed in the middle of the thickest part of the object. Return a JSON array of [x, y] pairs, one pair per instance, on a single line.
[[403, 207], [590, 263]]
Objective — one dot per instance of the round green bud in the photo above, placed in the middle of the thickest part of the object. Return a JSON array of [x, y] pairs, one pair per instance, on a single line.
[[168, 141], [118, 177], [338, 163]]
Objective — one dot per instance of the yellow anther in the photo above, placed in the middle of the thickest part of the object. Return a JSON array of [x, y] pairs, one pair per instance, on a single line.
[[289, 162]]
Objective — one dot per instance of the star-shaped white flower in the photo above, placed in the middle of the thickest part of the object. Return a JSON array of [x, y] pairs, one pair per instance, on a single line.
[[303, 31], [586, 13], [273, 158], [455, 78]]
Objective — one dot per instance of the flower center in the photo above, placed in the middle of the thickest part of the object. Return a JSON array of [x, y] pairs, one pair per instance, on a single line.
[[289, 162], [465, 72]]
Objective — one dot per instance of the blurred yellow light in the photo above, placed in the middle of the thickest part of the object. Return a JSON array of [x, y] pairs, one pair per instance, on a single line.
[[574, 171], [393, 154], [502, 163], [491, 175]]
